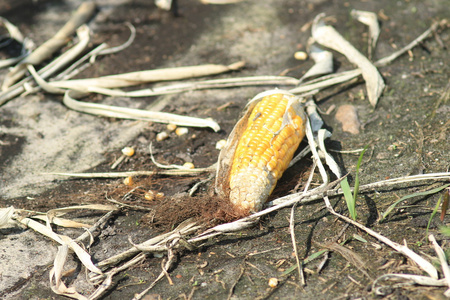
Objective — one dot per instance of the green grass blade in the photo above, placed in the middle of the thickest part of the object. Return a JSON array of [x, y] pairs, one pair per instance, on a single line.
[[356, 188], [305, 261], [349, 199], [392, 206], [436, 207]]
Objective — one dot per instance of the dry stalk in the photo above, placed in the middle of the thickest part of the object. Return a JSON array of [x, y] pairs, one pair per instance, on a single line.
[[167, 266], [421, 262], [175, 172], [81, 16], [301, 276], [139, 77]]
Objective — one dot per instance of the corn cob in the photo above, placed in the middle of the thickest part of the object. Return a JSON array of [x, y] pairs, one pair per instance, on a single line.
[[273, 132]]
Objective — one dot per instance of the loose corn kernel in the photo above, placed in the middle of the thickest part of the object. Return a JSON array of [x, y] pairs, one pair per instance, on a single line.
[[128, 151], [152, 195], [171, 127], [274, 130], [181, 131], [162, 136], [188, 165], [128, 181], [273, 282], [220, 144], [300, 55]]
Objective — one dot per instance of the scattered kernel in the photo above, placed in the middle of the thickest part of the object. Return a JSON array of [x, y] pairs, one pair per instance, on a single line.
[[128, 151], [128, 181], [300, 55], [152, 195], [181, 131], [161, 136], [273, 282], [188, 165], [220, 144], [171, 127]]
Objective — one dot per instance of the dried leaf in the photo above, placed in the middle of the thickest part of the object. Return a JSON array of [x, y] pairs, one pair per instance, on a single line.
[[323, 63], [82, 255], [331, 163], [442, 258], [329, 37], [139, 77], [62, 222], [416, 279], [42, 229], [56, 284], [199, 85], [371, 20], [6, 216], [137, 114]]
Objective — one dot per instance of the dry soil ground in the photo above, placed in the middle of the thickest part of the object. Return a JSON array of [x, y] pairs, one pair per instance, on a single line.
[[408, 133]]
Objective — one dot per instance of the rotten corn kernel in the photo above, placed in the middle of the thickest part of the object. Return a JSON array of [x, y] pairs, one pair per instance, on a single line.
[[274, 130]]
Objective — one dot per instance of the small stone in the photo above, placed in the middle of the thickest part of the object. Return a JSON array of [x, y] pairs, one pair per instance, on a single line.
[[348, 116]]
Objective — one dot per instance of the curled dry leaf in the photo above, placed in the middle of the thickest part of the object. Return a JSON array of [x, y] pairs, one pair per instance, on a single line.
[[348, 116], [131, 113], [371, 20], [329, 37], [6, 216], [323, 62], [259, 149]]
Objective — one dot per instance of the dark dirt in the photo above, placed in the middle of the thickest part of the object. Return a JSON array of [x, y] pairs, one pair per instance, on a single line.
[[408, 133]]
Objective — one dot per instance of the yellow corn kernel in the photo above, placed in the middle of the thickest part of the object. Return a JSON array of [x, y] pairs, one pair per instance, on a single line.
[[274, 130]]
